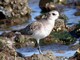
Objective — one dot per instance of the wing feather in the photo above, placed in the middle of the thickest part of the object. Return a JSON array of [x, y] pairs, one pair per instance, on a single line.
[[28, 30]]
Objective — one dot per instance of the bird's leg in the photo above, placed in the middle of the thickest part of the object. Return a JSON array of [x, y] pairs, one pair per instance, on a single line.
[[39, 49]]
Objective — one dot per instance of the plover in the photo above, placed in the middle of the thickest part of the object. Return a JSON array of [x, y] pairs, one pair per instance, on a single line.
[[40, 29]]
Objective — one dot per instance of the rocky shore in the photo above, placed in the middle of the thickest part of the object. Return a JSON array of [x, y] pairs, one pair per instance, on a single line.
[[15, 12]]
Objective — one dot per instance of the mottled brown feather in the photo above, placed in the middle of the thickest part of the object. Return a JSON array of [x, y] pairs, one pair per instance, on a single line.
[[31, 28]]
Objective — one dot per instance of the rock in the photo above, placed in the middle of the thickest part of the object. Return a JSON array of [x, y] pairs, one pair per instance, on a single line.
[[78, 7], [76, 55], [48, 40], [13, 12], [74, 46], [59, 25], [48, 56], [23, 41], [77, 13], [8, 35], [6, 23], [77, 2], [2, 46], [46, 5], [14, 8]]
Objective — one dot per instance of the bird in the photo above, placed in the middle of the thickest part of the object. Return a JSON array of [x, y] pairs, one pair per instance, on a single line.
[[40, 29]]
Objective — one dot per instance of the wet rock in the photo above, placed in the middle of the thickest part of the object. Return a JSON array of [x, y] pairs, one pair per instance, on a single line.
[[75, 46], [77, 13], [2, 46], [59, 25], [48, 40], [9, 55], [8, 35], [78, 7], [14, 8], [46, 5], [13, 12], [77, 2], [48, 56], [6, 23], [2, 16], [76, 56], [23, 41], [9, 43]]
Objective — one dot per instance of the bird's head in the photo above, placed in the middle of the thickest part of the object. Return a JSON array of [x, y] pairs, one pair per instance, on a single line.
[[53, 15]]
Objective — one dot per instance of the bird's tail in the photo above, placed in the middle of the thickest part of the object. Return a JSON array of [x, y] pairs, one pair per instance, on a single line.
[[16, 31], [21, 31]]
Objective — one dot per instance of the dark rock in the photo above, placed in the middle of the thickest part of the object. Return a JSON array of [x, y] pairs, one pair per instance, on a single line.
[[76, 55], [46, 5], [8, 35], [2, 16], [6, 23], [77, 13], [77, 2], [14, 8], [13, 12]]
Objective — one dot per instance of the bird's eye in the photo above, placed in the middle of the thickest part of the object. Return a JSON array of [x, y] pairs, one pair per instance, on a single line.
[[53, 14]]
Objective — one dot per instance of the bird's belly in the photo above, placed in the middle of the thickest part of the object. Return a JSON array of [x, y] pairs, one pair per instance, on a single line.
[[42, 33]]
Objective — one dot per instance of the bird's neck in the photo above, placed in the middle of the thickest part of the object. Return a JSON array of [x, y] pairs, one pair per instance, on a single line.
[[51, 21]]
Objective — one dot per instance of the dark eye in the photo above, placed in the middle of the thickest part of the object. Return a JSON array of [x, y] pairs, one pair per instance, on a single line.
[[53, 14]]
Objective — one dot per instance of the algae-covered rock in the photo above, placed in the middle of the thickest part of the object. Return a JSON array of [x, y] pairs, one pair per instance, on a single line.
[[13, 12], [14, 8], [48, 56]]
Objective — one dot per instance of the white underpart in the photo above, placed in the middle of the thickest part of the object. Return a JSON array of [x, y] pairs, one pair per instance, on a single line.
[[44, 31]]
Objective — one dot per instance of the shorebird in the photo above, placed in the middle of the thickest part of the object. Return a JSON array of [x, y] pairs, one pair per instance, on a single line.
[[40, 29]]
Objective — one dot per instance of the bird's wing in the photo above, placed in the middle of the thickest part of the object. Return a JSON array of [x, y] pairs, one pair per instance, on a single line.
[[31, 28]]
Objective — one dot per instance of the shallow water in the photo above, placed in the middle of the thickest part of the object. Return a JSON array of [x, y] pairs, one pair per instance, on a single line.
[[71, 17], [66, 51]]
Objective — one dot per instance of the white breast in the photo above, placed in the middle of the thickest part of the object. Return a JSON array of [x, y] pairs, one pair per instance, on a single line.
[[43, 32]]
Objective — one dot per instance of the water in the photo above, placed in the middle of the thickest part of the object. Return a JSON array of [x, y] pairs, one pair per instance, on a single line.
[[66, 51], [72, 18]]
